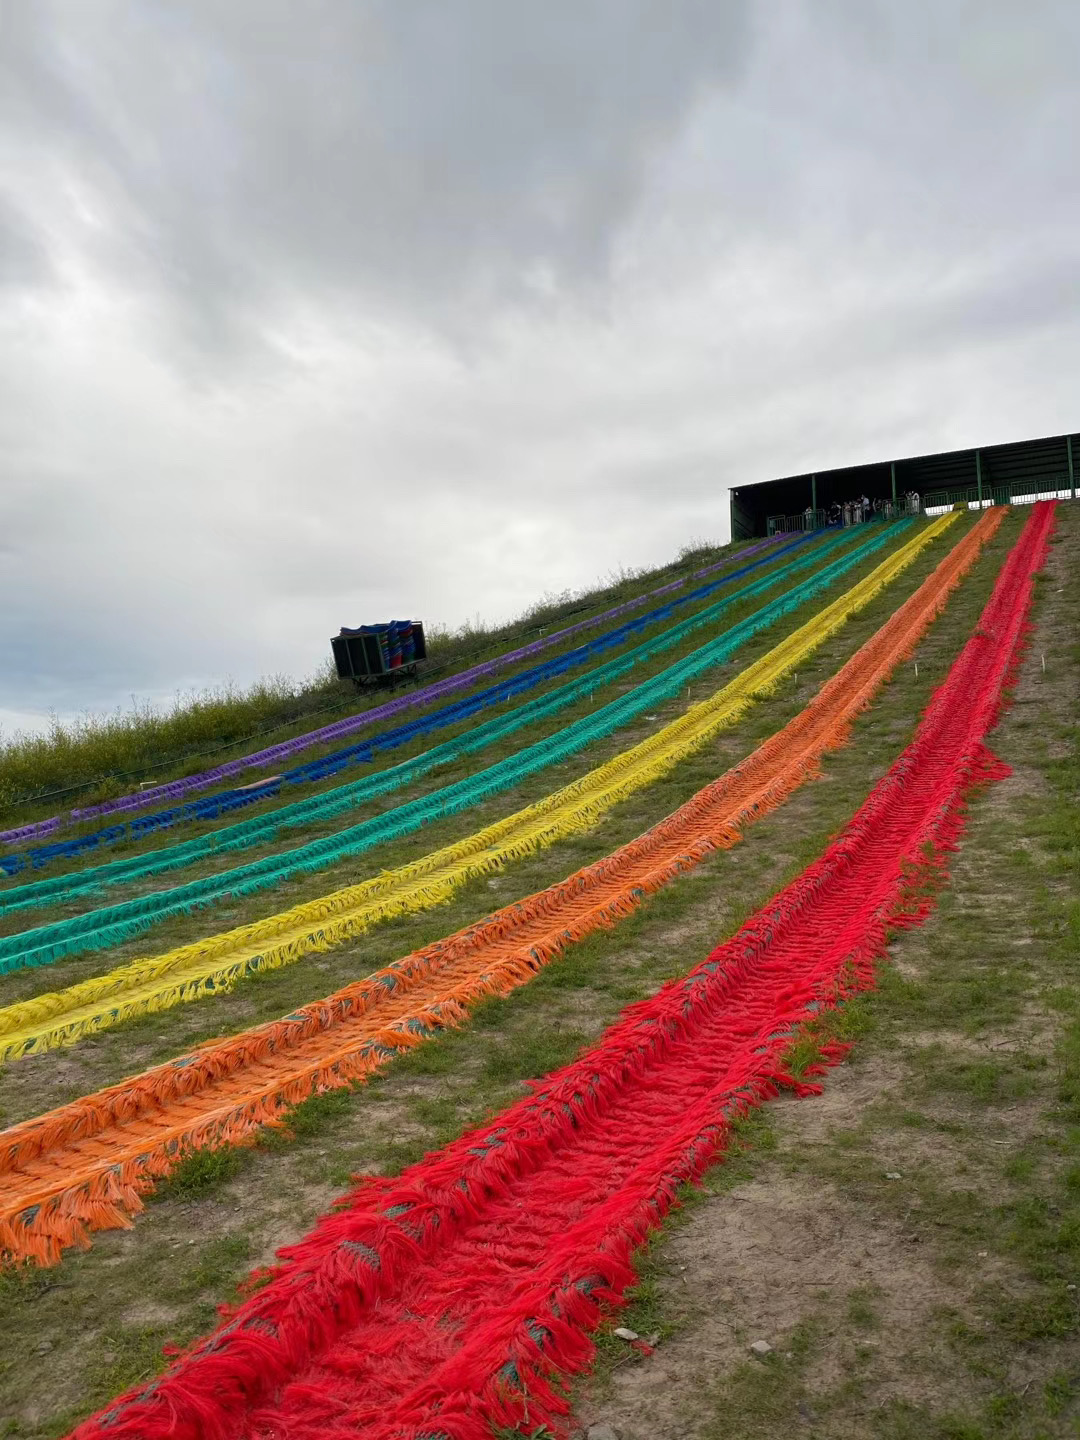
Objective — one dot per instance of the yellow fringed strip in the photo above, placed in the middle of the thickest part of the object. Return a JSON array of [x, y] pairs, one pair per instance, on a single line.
[[218, 962]]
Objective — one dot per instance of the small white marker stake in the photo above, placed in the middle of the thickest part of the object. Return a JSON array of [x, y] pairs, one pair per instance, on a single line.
[[1044, 663], [916, 669]]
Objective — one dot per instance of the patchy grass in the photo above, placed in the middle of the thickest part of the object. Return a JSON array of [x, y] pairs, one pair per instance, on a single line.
[[48, 1080], [909, 1243], [153, 1278]]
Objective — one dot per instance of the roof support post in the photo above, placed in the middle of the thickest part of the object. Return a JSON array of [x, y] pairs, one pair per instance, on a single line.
[[1072, 474], [978, 476], [813, 494], [892, 472]]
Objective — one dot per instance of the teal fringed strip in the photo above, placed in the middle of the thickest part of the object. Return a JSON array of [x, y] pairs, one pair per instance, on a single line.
[[116, 924], [263, 829]]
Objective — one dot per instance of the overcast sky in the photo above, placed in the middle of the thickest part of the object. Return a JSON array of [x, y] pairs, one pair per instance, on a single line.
[[320, 312]]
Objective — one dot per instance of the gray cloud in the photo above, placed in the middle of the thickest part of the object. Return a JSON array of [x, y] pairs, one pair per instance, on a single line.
[[314, 313], [427, 155], [23, 258]]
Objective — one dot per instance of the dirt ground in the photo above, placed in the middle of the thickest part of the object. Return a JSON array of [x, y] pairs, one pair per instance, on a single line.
[[901, 1242], [907, 1243]]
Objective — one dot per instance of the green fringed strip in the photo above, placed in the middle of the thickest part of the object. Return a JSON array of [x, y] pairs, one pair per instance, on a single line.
[[261, 829]]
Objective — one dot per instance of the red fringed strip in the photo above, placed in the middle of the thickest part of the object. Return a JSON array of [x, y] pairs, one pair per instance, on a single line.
[[431, 1306]]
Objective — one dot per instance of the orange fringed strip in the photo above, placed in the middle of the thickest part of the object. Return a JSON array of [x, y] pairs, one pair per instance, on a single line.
[[84, 1166]]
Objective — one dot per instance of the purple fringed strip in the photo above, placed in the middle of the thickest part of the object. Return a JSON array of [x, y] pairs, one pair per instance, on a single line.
[[435, 691]]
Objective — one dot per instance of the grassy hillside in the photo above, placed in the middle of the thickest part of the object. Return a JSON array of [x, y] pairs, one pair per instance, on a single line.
[[100, 756], [936, 1179]]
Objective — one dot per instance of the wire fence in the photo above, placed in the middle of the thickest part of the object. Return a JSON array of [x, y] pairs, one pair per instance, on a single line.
[[848, 512], [1020, 492]]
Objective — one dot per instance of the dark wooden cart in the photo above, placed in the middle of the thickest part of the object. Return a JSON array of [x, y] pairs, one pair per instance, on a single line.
[[361, 656]]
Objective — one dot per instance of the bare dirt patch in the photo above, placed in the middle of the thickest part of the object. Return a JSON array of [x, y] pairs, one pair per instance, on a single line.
[[903, 1241]]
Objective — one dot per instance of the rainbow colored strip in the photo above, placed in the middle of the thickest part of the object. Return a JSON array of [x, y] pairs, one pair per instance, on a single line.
[[482, 1270], [219, 962]]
